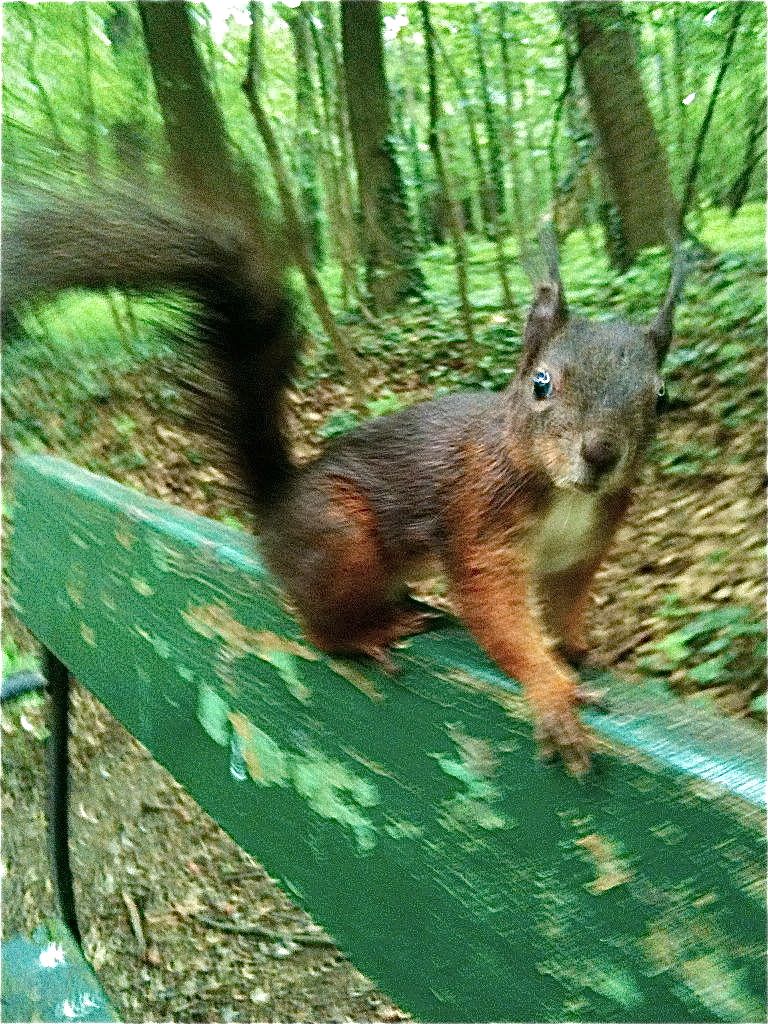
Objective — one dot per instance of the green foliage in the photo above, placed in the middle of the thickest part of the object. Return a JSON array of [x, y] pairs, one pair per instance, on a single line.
[[342, 420], [14, 659], [710, 648]]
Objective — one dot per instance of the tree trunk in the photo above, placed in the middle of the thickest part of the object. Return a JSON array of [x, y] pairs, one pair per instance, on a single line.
[[337, 198], [495, 165], [510, 135], [92, 147], [296, 230], [483, 185], [634, 166], [93, 151], [402, 109], [46, 105], [328, 42], [698, 149], [662, 86], [307, 156], [128, 131], [454, 219], [737, 193], [680, 91], [392, 273], [197, 139]]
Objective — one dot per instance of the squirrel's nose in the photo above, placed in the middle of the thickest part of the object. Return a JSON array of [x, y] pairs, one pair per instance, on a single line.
[[599, 453]]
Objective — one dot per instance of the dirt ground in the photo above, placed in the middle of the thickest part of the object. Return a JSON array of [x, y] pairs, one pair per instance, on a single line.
[[699, 536]]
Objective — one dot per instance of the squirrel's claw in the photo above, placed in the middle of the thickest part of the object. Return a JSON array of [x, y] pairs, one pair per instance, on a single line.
[[587, 697], [559, 732]]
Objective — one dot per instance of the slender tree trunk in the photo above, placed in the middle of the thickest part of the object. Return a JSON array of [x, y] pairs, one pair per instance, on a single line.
[[89, 104], [518, 207], [495, 164], [494, 192], [701, 137], [557, 117], [331, 34], [328, 41], [128, 130], [405, 123], [634, 165], [33, 76], [297, 233], [339, 211], [680, 92], [662, 86], [392, 272], [753, 154], [306, 126], [484, 187], [454, 220], [537, 187], [92, 149]]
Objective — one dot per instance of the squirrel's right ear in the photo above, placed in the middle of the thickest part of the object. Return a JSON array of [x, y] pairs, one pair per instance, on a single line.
[[660, 331], [547, 316], [549, 312]]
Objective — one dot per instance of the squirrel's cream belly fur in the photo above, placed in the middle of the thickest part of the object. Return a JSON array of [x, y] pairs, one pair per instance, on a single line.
[[567, 534]]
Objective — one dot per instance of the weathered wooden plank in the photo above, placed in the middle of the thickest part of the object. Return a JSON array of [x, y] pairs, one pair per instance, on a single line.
[[409, 815]]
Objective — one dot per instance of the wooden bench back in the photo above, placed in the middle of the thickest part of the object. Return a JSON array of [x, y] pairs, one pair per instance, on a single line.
[[409, 815]]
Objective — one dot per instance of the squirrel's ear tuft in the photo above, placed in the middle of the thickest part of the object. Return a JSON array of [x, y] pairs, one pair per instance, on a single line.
[[549, 312], [547, 316], [660, 331]]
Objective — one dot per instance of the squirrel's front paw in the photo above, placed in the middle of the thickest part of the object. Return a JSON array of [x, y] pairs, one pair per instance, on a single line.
[[559, 732]]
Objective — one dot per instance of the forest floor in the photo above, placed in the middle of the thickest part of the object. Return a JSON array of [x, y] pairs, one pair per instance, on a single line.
[[680, 605]]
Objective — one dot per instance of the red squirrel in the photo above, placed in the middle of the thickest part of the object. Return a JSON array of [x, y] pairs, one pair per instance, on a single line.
[[517, 494]]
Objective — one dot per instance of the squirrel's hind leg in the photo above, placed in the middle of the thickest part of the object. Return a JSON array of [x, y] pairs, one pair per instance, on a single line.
[[350, 600]]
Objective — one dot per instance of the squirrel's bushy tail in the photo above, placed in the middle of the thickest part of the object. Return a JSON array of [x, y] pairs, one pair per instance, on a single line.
[[125, 237]]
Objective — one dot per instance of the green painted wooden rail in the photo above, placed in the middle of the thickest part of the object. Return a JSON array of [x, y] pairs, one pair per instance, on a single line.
[[409, 815]]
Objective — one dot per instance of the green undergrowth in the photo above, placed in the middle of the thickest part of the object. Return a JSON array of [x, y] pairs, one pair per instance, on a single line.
[[708, 650]]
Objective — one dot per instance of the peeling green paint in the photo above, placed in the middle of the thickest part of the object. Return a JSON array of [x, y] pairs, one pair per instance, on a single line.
[[141, 586], [615, 983], [88, 634], [330, 788], [334, 791], [708, 976], [212, 714], [403, 829], [611, 868], [285, 664], [266, 762], [75, 585], [160, 554], [719, 987], [160, 646], [474, 768], [213, 621]]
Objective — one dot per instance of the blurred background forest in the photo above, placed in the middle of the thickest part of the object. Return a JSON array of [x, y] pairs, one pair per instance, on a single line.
[[412, 149]]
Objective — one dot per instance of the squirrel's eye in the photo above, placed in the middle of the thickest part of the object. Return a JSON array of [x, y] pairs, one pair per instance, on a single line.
[[662, 401], [542, 384]]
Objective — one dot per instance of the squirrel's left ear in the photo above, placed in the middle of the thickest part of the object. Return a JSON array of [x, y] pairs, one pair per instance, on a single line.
[[549, 312], [660, 331]]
